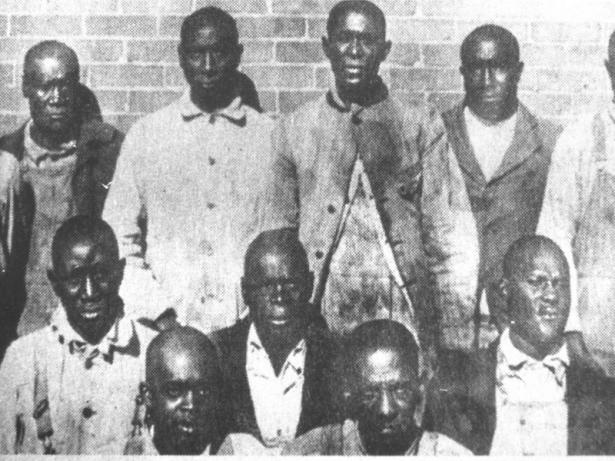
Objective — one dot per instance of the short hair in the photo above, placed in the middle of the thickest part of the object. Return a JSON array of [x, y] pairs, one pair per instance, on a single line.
[[381, 334], [284, 240], [209, 15], [524, 248], [491, 32], [611, 49], [360, 6], [46, 49], [83, 227]]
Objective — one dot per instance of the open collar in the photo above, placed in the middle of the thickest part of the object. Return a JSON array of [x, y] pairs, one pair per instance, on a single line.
[[235, 112]]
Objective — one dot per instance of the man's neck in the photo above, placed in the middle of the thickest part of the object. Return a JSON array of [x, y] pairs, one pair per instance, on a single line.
[[362, 96], [212, 101], [501, 118], [535, 351], [278, 349], [51, 141]]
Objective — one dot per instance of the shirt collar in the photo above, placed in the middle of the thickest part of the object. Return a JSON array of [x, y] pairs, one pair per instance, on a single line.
[[378, 94], [515, 359], [235, 112], [150, 448], [354, 445], [120, 336], [295, 359], [37, 153], [472, 118]]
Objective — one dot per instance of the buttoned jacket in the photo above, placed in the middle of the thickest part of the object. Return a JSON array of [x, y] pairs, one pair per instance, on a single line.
[[508, 205]]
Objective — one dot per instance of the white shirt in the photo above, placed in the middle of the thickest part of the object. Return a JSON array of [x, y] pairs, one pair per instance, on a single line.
[[276, 399], [531, 412], [489, 142], [91, 390]]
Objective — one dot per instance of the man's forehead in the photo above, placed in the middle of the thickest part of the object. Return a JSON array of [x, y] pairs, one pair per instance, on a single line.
[[384, 365], [55, 66], [540, 260], [489, 49], [209, 33], [358, 21], [182, 365]]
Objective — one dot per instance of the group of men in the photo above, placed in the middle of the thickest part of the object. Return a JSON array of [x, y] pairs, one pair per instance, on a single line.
[[363, 276]]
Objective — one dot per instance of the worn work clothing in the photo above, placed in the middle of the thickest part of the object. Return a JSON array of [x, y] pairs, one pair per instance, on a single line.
[[531, 411], [40, 190], [578, 214], [194, 178], [144, 445], [345, 439], [505, 207], [90, 390], [404, 153]]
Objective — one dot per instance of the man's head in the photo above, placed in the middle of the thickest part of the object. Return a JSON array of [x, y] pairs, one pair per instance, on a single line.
[[51, 83], [387, 390], [87, 274], [277, 285], [536, 287], [491, 71], [185, 397], [209, 54], [609, 63], [356, 45]]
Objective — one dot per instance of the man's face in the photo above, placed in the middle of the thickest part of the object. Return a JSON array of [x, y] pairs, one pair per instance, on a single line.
[[389, 395], [356, 48], [490, 76], [52, 93], [209, 59], [539, 299], [87, 280], [278, 290], [184, 402]]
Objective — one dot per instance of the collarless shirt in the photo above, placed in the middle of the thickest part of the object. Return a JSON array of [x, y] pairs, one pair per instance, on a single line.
[[277, 399], [196, 178], [489, 142], [90, 390], [531, 411]]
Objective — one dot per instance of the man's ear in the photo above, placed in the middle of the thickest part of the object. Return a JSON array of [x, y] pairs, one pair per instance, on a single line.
[[53, 280], [325, 45], [246, 292], [385, 50], [519, 70], [181, 55]]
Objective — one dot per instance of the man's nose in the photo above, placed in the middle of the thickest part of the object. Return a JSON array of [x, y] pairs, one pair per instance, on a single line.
[[55, 96], [188, 400], [487, 75], [88, 286], [549, 293], [208, 62], [355, 47], [386, 404], [278, 292]]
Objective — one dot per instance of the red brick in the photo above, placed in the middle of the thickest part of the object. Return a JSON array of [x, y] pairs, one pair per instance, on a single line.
[[569, 81], [45, 25], [290, 100], [150, 101], [324, 77], [152, 51], [11, 100], [586, 56], [78, 7], [519, 29], [236, 6], [425, 79], [22, 6], [316, 27], [441, 56], [126, 76], [4, 26], [7, 74], [125, 26], [444, 100], [588, 103], [404, 54], [170, 26], [546, 56], [123, 122], [257, 51], [441, 8], [274, 77], [266, 27], [112, 101], [548, 105], [174, 77], [99, 50], [144, 7], [308, 52], [10, 123], [182, 7], [302, 7], [420, 30], [559, 32], [269, 101]]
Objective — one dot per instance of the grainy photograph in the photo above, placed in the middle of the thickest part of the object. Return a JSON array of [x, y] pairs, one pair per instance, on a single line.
[[307, 227]]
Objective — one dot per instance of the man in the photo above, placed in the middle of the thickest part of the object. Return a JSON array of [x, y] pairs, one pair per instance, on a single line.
[[577, 214], [526, 395], [504, 152], [278, 362], [57, 165], [68, 388], [192, 172], [387, 399], [369, 184], [184, 398]]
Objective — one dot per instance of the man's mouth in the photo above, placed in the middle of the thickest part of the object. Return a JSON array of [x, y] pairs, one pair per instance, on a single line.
[[186, 428]]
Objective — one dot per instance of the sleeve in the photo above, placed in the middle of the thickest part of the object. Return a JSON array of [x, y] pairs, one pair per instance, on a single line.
[[449, 237], [569, 185], [282, 187], [12, 429], [9, 177]]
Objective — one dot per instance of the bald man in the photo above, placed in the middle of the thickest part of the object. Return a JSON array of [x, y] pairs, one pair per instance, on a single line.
[[527, 395], [504, 152], [68, 388], [577, 215], [57, 165], [369, 183], [278, 362], [386, 392], [198, 190]]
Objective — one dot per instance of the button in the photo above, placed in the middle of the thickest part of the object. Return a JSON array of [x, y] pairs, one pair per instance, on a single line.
[[522, 421], [87, 412], [319, 254], [211, 206], [202, 299], [331, 209], [212, 161]]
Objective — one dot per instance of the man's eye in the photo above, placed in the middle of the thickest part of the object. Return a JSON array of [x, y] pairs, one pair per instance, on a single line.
[[173, 392]]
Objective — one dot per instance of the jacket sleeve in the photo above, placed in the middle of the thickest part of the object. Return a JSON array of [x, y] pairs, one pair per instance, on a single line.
[[569, 184], [449, 237], [9, 177]]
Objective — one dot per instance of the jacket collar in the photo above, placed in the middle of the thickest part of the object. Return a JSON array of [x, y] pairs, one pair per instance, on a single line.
[[378, 94], [526, 141]]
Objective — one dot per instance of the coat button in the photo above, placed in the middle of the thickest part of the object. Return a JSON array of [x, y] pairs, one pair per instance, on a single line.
[[87, 412], [331, 209], [212, 161], [319, 254], [211, 206]]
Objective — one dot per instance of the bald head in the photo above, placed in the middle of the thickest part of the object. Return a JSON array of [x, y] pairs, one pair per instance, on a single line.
[[273, 245], [522, 253], [367, 8], [210, 16], [505, 40], [50, 49]]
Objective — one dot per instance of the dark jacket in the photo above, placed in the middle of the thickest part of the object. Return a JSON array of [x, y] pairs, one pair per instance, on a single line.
[[508, 205], [319, 402], [464, 406]]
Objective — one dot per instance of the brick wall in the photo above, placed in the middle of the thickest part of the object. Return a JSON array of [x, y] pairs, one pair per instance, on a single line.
[[127, 49]]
